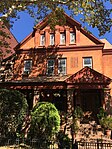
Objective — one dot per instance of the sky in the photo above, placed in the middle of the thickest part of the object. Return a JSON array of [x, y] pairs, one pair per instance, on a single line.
[[24, 26]]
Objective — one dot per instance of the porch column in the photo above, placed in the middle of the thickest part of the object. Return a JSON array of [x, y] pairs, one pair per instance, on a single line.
[[70, 101], [70, 108], [107, 100], [36, 97]]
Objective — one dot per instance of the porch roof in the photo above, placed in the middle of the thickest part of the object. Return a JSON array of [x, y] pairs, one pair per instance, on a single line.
[[88, 75], [85, 78]]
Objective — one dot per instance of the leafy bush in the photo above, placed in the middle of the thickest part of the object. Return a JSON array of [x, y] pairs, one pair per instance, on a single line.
[[106, 122], [13, 108], [102, 113], [45, 121], [63, 141], [78, 112]]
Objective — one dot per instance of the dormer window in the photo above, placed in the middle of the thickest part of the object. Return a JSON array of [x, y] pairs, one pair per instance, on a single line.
[[51, 39], [27, 66], [62, 38], [72, 38], [42, 40]]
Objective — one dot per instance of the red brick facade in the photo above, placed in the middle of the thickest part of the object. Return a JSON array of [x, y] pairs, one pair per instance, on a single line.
[[47, 59]]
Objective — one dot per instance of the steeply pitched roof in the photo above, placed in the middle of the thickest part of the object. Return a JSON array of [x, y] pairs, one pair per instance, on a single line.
[[69, 19], [7, 52]]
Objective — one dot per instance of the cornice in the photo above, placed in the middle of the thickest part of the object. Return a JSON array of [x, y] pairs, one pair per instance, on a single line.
[[63, 48], [107, 51]]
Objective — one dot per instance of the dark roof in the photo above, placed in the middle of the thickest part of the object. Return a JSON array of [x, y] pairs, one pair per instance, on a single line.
[[88, 75], [43, 79], [7, 52]]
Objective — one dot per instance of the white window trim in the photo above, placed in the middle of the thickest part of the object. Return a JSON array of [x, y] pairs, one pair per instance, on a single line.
[[72, 40], [50, 66], [62, 40], [51, 39], [42, 40], [28, 70], [88, 65], [64, 73]]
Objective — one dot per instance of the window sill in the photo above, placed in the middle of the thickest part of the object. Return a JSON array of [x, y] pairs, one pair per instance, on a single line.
[[62, 45], [72, 44]]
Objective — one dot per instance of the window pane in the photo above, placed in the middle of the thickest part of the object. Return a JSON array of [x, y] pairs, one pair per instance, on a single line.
[[42, 40], [27, 65], [72, 37], [62, 38], [51, 39], [87, 61], [62, 66], [50, 67]]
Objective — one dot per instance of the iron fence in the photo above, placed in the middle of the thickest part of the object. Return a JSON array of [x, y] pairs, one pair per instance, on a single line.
[[42, 144], [28, 143], [94, 145]]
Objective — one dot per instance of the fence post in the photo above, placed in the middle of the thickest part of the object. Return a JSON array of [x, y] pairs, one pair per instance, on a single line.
[[97, 144]]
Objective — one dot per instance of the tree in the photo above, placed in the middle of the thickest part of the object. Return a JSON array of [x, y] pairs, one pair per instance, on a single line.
[[95, 12], [45, 122], [13, 108]]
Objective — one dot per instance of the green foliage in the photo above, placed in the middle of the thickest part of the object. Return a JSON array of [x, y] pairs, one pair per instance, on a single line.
[[78, 112], [106, 122], [94, 12], [63, 141], [102, 113], [13, 108], [45, 121]]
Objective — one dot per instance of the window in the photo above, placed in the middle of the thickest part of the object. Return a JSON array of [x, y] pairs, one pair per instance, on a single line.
[[42, 40], [62, 38], [87, 61], [62, 66], [27, 66], [72, 38], [50, 66], [51, 39]]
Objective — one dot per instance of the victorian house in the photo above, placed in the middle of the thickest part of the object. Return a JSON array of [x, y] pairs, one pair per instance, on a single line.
[[67, 66]]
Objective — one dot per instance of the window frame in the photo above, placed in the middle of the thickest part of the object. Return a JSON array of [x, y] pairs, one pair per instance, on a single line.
[[61, 38], [88, 65], [42, 40], [72, 42], [52, 40], [50, 67], [64, 71], [28, 69]]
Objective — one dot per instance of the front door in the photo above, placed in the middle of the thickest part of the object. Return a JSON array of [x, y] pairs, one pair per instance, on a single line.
[[88, 100]]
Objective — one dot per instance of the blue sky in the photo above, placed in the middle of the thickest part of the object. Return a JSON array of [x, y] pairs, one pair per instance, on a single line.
[[24, 26]]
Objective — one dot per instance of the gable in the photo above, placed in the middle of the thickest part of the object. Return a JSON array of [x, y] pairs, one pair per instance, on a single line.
[[88, 75], [83, 38]]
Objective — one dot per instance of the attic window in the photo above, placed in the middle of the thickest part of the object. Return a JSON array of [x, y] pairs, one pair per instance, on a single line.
[[72, 38], [51, 39], [42, 40], [62, 38]]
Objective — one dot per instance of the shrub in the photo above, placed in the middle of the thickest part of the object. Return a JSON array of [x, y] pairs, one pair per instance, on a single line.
[[45, 121], [13, 108]]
